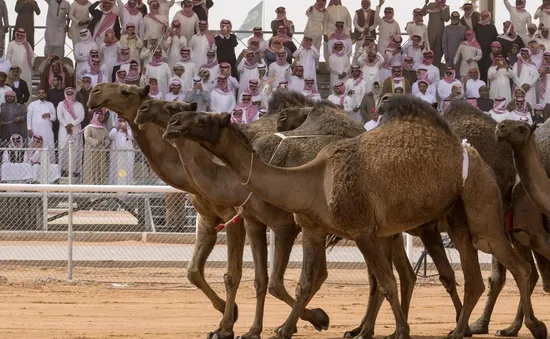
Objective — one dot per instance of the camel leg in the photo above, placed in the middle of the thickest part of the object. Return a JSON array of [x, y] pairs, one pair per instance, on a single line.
[[314, 273], [232, 278], [206, 240], [544, 269], [525, 253], [473, 281], [284, 241], [371, 247], [496, 283], [256, 232]]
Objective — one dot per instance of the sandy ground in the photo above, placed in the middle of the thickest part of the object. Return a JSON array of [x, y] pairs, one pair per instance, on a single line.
[[50, 308]]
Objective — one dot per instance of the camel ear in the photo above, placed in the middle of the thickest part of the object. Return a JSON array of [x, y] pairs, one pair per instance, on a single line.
[[282, 115], [225, 119], [144, 92], [304, 112], [172, 108]]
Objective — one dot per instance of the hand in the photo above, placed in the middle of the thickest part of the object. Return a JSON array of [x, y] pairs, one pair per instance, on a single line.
[[17, 120], [469, 60], [351, 92], [526, 87], [381, 2], [344, 74], [46, 116], [30, 133]]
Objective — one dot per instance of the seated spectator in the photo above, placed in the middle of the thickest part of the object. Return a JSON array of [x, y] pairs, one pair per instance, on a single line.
[[19, 86], [53, 66], [43, 173], [14, 167], [121, 157], [198, 95], [176, 93], [538, 115], [13, 117]]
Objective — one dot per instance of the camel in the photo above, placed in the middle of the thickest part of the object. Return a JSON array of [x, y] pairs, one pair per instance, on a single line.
[[165, 161], [330, 195], [521, 137]]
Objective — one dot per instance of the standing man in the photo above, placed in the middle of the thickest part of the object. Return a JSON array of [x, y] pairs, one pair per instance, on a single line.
[[12, 117], [56, 95], [453, 35], [25, 10], [316, 15], [104, 18], [57, 26], [438, 14], [40, 115], [4, 22], [519, 17]]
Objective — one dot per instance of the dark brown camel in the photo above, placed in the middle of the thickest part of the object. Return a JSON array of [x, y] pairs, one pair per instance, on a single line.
[[330, 195]]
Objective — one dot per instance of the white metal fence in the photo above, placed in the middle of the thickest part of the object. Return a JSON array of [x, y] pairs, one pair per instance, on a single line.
[[64, 226]]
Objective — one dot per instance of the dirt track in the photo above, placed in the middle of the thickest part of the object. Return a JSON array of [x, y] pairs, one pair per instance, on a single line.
[[34, 309]]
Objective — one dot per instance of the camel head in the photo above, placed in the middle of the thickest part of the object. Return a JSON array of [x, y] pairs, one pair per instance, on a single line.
[[382, 101], [158, 111], [200, 127], [516, 133], [292, 118], [125, 100]]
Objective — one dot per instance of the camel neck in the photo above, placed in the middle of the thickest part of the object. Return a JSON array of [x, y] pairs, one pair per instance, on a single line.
[[162, 157], [533, 176], [292, 189]]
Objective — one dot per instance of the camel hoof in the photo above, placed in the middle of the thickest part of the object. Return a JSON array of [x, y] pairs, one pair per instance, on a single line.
[[210, 335], [538, 329], [353, 333], [249, 336], [392, 336], [511, 331], [479, 327], [320, 319], [223, 336], [467, 333]]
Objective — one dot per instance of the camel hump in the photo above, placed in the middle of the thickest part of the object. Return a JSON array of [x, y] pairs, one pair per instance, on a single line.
[[408, 107], [284, 98], [463, 110]]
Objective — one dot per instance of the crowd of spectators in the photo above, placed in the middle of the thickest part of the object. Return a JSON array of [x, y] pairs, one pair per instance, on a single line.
[[455, 56]]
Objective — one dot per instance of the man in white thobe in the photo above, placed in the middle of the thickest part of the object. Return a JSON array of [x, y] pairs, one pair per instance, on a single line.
[[296, 81], [222, 99], [341, 99], [83, 48], [70, 114], [423, 92], [316, 15], [129, 13], [356, 87], [57, 25], [80, 18], [40, 115], [526, 75], [308, 56], [519, 17], [20, 54], [200, 44]]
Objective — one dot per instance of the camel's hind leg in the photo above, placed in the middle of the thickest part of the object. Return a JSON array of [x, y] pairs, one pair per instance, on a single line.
[[544, 268], [206, 240], [285, 235], [525, 253], [371, 247], [314, 273], [483, 208], [256, 232]]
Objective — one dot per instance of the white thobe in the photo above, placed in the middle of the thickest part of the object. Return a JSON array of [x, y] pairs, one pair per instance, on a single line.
[[3, 91], [17, 56], [371, 74], [414, 53], [40, 126], [314, 27], [338, 65], [95, 77], [56, 21], [82, 53], [296, 84], [348, 45], [246, 74], [151, 29], [428, 97], [172, 46], [432, 89], [359, 90], [135, 46], [498, 117], [465, 53], [347, 105], [279, 72], [537, 59], [421, 30], [517, 116], [433, 72], [214, 72], [15, 171], [162, 73], [544, 18], [370, 125], [337, 13], [109, 55], [199, 46], [188, 75], [545, 99], [499, 82], [188, 25], [121, 157], [444, 89], [472, 88], [126, 17], [520, 20], [5, 65], [310, 95], [78, 13], [222, 101], [174, 97], [544, 42], [308, 59], [529, 75], [386, 31], [63, 137]]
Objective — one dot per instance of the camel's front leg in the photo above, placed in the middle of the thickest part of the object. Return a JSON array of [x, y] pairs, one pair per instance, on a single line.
[[314, 273], [285, 235], [206, 240], [235, 247], [256, 232]]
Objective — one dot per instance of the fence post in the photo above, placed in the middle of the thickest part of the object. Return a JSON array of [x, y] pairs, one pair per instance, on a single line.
[[409, 248], [44, 176], [70, 216], [271, 251]]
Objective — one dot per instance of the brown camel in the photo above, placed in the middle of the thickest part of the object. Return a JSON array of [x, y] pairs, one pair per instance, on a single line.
[[478, 128], [521, 137], [330, 195], [165, 161]]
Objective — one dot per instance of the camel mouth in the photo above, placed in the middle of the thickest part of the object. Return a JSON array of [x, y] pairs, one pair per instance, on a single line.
[[143, 125], [172, 134], [94, 108]]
